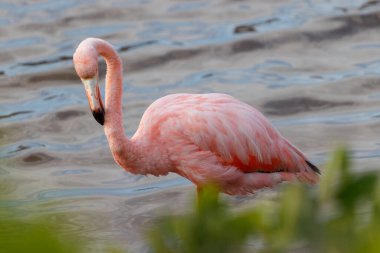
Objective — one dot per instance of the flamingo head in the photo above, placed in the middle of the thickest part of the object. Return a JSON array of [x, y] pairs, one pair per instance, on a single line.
[[94, 97], [86, 66]]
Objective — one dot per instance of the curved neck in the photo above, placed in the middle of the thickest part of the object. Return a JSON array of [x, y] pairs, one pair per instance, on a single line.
[[133, 155], [113, 124]]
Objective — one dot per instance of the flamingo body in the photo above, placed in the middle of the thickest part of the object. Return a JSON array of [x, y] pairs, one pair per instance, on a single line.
[[203, 137]]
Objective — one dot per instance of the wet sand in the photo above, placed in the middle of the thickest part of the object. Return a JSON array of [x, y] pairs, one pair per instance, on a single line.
[[312, 68]]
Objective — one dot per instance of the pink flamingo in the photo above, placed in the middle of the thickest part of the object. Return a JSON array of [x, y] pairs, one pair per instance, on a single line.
[[206, 138]]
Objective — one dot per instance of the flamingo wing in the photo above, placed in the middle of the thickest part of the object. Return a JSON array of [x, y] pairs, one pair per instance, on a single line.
[[235, 133]]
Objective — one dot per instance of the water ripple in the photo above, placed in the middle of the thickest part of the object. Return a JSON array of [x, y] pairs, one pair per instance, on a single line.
[[126, 191], [342, 118], [16, 149], [58, 98], [14, 114]]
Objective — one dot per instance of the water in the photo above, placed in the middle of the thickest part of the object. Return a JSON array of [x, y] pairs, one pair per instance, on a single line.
[[312, 67]]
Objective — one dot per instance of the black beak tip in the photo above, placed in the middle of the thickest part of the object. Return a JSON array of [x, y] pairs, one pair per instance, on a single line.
[[99, 116]]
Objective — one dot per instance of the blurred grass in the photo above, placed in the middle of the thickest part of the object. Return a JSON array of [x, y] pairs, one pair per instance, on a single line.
[[24, 235], [32, 236], [342, 214]]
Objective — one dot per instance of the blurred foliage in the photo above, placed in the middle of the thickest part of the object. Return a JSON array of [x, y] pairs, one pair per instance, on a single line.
[[341, 215], [32, 235]]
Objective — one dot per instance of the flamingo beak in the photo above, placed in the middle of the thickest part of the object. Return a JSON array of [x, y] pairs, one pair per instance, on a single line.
[[94, 97]]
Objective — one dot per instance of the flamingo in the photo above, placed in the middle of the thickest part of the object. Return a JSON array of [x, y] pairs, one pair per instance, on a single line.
[[206, 138]]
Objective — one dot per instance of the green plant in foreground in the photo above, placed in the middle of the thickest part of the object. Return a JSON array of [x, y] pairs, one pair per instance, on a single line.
[[208, 229], [31, 235], [342, 215]]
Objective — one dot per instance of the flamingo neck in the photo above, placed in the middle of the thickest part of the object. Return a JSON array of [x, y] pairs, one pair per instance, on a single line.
[[121, 147]]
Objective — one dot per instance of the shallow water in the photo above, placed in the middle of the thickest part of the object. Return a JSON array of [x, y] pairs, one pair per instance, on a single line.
[[313, 68]]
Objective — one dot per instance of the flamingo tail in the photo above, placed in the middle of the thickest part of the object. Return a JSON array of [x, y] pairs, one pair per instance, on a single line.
[[313, 167]]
